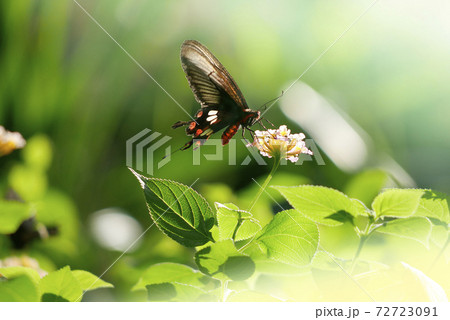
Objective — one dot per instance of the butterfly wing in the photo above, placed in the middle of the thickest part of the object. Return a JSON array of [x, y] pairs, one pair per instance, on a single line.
[[222, 103], [209, 80]]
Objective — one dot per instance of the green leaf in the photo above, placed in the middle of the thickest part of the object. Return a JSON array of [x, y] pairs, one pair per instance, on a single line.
[[434, 204], [321, 204], [38, 152], [12, 214], [20, 289], [289, 238], [61, 283], [30, 183], [397, 202], [174, 292], [178, 210], [366, 185], [14, 272], [170, 272], [88, 281], [235, 224], [221, 260], [439, 235], [415, 228], [50, 297]]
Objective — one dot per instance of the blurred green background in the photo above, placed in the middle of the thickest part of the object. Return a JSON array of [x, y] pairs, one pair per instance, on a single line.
[[64, 79]]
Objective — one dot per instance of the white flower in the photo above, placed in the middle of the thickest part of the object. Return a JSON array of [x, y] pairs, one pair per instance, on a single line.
[[281, 143], [10, 141]]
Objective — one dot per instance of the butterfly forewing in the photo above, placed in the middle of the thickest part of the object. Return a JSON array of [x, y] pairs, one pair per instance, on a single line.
[[207, 77]]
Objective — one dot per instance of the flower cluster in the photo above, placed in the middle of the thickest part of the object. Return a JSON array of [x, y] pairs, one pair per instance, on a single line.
[[281, 143], [10, 141]]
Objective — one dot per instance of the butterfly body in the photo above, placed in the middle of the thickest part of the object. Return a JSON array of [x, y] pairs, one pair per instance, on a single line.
[[222, 104]]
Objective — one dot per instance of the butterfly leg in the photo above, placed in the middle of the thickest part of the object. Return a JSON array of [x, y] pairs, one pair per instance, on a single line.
[[251, 133], [262, 124], [187, 145], [269, 122], [180, 124]]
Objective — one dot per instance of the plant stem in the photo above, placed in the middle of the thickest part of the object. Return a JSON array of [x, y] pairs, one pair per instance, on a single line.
[[276, 163], [362, 240]]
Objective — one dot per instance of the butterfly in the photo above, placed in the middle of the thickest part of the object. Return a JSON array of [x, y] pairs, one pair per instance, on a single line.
[[222, 104]]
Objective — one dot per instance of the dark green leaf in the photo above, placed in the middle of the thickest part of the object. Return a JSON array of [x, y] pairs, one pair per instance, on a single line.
[[178, 210], [50, 297], [221, 260], [174, 292]]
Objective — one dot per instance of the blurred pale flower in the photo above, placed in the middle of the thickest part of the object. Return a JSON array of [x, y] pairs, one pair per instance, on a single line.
[[23, 261], [281, 143], [10, 141]]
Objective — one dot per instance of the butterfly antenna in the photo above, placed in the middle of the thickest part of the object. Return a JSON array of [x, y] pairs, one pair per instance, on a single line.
[[170, 154], [264, 106]]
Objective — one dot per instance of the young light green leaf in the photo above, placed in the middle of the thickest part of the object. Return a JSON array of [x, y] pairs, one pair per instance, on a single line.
[[434, 204], [415, 228], [178, 210], [366, 185], [222, 261], [29, 182], [60, 284], [14, 272], [170, 272], [439, 235], [13, 213], [20, 289], [235, 224], [289, 238], [88, 281], [321, 204], [397, 202], [38, 153]]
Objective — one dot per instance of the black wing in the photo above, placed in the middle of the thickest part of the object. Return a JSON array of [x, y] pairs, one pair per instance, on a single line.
[[210, 82]]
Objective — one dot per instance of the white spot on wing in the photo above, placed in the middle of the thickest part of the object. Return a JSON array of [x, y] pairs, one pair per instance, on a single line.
[[211, 118], [212, 112]]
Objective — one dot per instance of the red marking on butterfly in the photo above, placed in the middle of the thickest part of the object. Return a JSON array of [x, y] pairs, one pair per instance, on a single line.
[[222, 104]]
